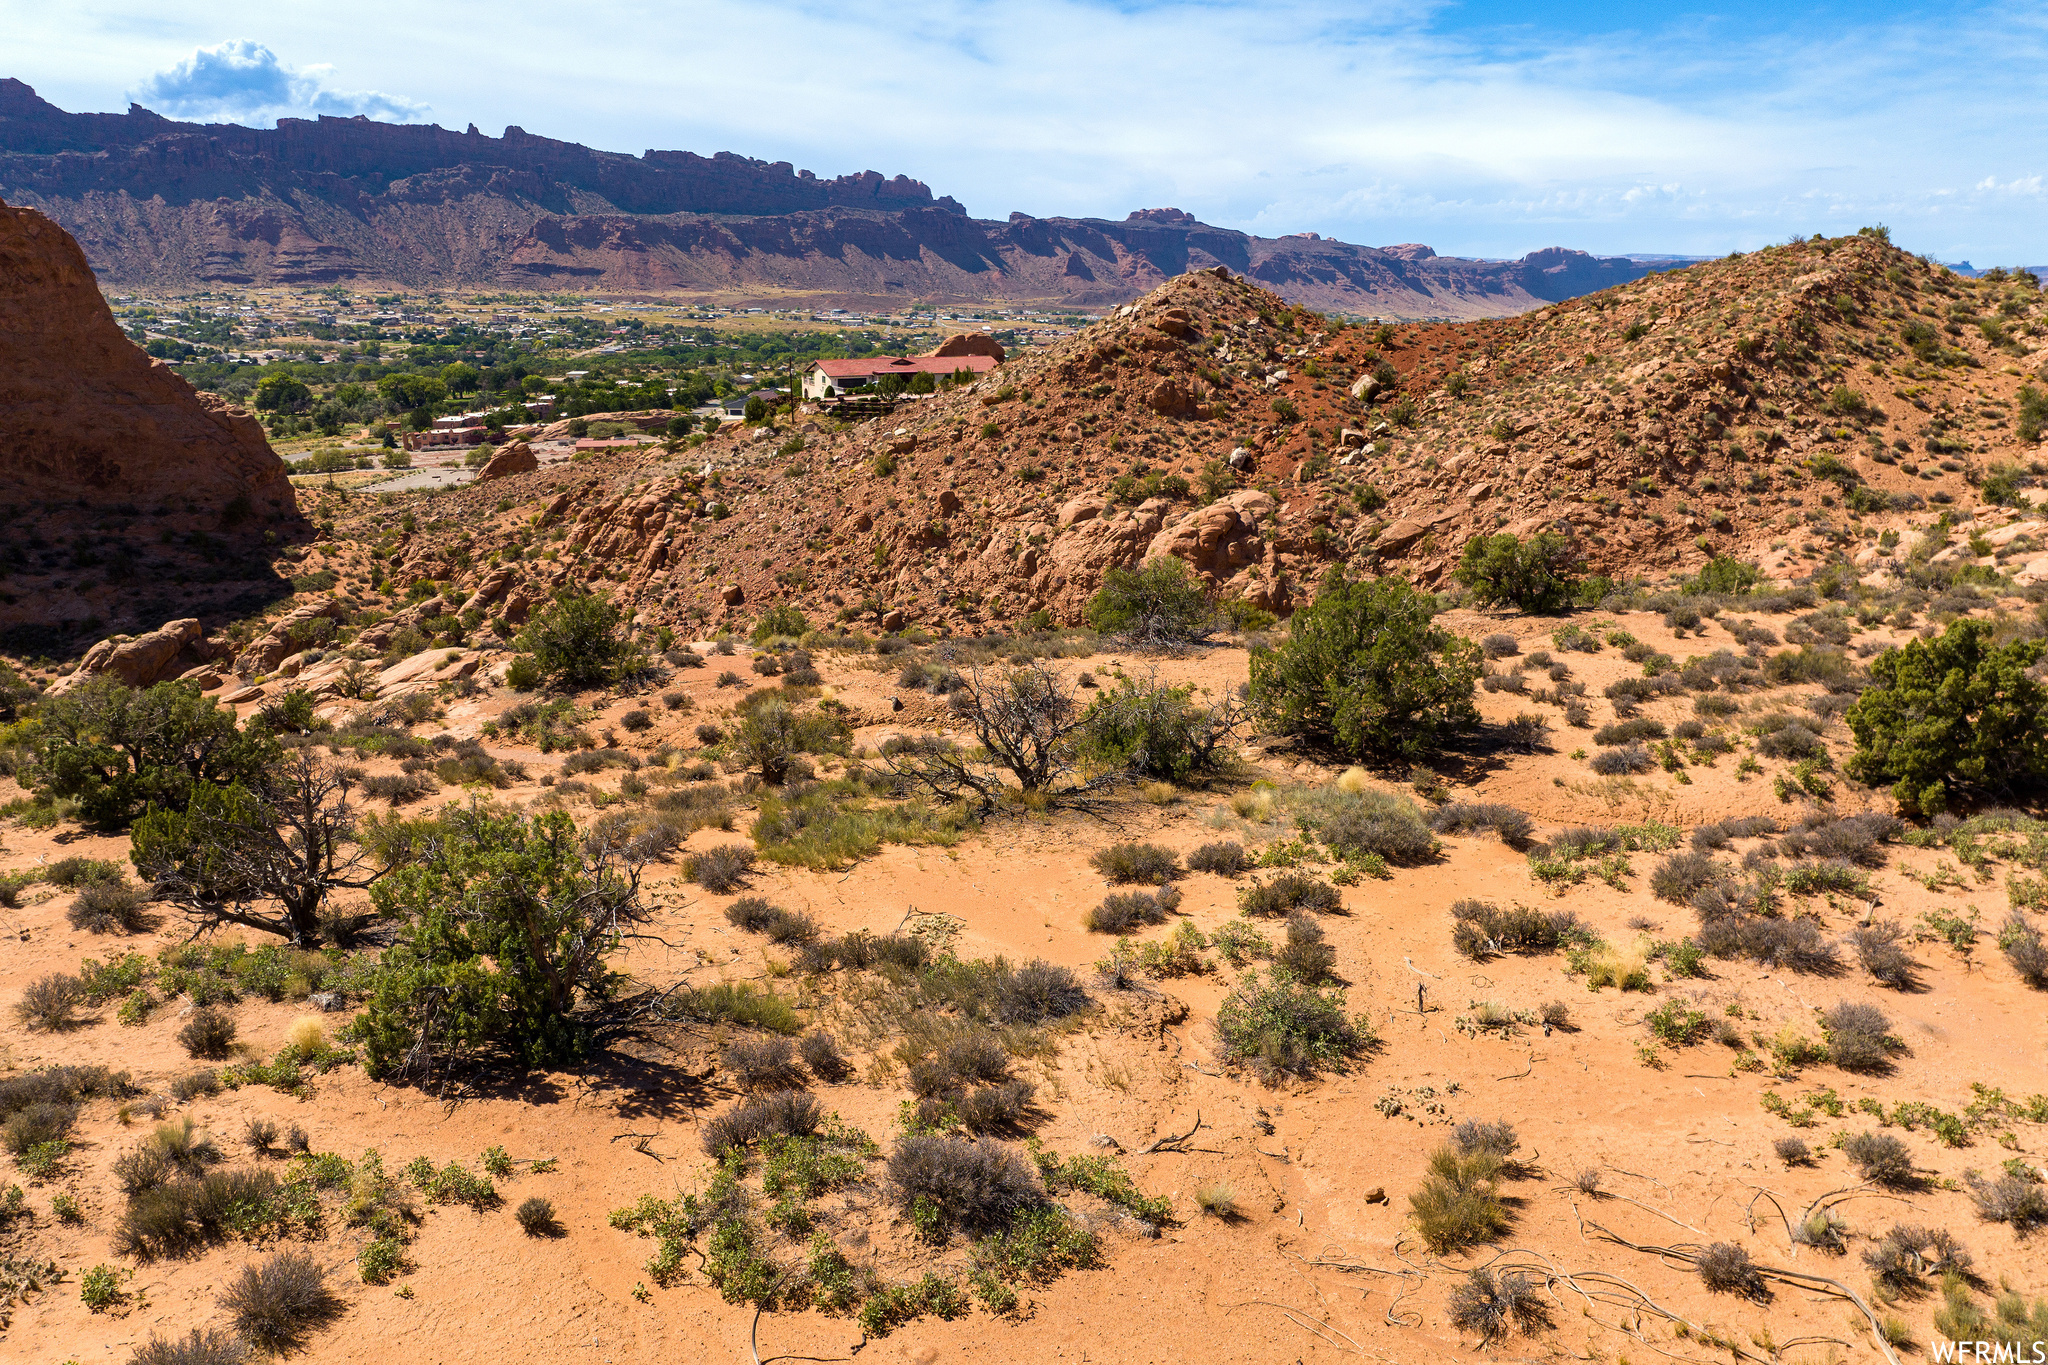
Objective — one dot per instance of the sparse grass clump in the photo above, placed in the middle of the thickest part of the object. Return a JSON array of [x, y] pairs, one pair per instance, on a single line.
[[2021, 943], [1122, 912], [51, 1002], [734, 1002], [1356, 820], [536, 1217], [1858, 1037], [2018, 1200], [210, 1034], [760, 1063], [200, 1346], [1459, 1203], [1513, 826], [108, 907], [1225, 859], [1679, 877], [1481, 929], [37, 1124], [1290, 892], [184, 1215], [1792, 1151], [1490, 1304], [1122, 864], [782, 1113], [1882, 1160], [276, 1305], [1623, 761], [822, 1055], [1725, 1268], [1498, 1138], [1880, 947], [951, 1182], [722, 869]]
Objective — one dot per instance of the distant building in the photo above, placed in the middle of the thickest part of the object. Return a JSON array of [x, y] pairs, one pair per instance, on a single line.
[[855, 376]]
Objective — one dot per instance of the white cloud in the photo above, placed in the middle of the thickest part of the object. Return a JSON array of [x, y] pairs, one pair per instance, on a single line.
[[244, 82], [1370, 120]]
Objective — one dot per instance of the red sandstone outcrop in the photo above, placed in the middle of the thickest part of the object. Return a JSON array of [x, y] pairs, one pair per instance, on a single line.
[[516, 458], [86, 414], [140, 660], [970, 343]]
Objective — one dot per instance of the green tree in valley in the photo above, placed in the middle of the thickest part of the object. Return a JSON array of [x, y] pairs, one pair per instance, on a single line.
[[1952, 715], [1366, 669]]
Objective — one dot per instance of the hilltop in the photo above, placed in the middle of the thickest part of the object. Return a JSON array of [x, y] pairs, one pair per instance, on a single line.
[[165, 205], [1770, 407]]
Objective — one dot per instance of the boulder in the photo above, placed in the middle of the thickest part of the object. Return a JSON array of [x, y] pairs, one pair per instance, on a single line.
[[1399, 538], [1168, 398], [1365, 387], [970, 343], [137, 662], [893, 620], [516, 458], [732, 594], [949, 502], [425, 669], [268, 651], [1078, 510]]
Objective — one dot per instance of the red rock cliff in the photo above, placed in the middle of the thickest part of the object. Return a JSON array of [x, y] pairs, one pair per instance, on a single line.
[[84, 413]]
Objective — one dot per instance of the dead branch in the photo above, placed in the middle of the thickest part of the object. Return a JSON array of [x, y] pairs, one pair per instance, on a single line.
[[1161, 1144]]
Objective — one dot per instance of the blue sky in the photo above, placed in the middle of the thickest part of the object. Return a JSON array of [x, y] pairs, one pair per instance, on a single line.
[[1481, 128]]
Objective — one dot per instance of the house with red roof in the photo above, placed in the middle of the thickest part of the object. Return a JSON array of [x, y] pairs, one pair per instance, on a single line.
[[842, 378]]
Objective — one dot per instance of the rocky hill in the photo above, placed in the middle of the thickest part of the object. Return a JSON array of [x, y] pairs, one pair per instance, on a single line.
[[1772, 406], [162, 204], [86, 417]]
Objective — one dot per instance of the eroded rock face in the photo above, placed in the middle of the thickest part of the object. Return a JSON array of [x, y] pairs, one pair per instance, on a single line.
[[84, 413]]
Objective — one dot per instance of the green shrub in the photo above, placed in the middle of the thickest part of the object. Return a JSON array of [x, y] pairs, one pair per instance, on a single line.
[[1155, 730], [1280, 1027], [1159, 603], [771, 734], [1952, 715], [1724, 575], [1539, 574], [381, 1260], [575, 641], [781, 619], [894, 1305], [511, 924], [1364, 668], [100, 1288]]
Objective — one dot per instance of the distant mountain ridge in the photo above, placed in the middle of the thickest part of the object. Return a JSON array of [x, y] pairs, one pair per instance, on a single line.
[[162, 204]]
